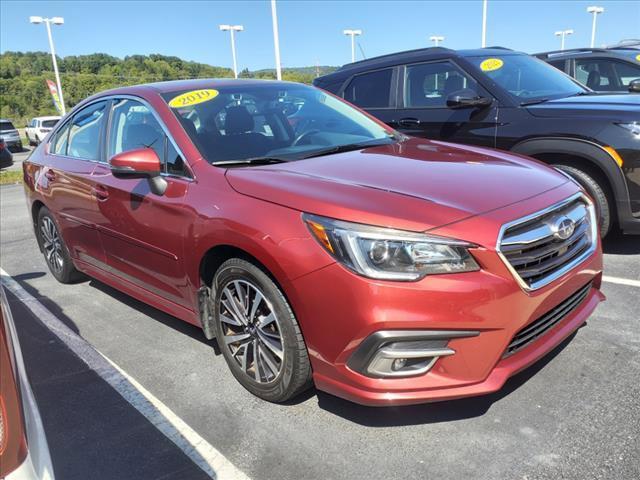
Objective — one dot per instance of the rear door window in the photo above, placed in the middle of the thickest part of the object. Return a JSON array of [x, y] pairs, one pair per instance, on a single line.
[[370, 90], [597, 74], [85, 132]]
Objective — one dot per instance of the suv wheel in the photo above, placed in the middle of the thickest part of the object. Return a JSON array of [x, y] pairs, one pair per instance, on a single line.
[[55, 251], [602, 202], [258, 333]]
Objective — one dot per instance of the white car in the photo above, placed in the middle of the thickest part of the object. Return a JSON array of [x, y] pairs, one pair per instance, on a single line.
[[39, 127]]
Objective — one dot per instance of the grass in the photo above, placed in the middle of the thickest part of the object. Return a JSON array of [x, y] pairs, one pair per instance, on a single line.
[[10, 177]]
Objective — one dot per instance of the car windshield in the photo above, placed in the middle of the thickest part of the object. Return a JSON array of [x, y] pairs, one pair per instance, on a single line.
[[527, 78], [277, 121], [6, 126], [49, 123]]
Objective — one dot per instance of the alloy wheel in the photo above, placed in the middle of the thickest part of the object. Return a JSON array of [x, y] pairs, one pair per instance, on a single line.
[[251, 331], [51, 243]]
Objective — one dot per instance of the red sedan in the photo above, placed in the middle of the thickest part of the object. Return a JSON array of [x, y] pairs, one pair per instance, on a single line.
[[315, 243]]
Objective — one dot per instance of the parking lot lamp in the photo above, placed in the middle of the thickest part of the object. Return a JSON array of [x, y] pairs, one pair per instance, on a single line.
[[436, 39], [233, 29], [484, 23], [48, 22], [276, 40], [353, 34], [562, 34], [594, 11]]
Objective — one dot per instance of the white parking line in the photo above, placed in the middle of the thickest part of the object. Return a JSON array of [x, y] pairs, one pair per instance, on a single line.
[[201, 452], [621, 281]]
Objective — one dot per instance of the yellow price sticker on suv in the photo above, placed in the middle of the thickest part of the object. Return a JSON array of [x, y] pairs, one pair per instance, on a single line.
[[491, 64], [638, 57], [193, 98]]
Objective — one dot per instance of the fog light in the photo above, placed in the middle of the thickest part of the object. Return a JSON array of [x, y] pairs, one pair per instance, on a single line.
[[399, 363]]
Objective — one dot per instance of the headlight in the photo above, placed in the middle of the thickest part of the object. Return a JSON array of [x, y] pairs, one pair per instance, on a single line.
[[634, 128], [389, 254]]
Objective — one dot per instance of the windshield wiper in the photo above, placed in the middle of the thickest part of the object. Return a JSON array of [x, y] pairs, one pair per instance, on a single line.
[[533, 102], [349, 147], [253, 161]]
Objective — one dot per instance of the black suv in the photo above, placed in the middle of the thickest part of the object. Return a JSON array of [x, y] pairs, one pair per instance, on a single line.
[[499, 98], [612, 70]]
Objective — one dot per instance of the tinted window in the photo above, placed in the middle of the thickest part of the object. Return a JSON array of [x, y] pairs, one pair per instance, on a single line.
[[429, 84], [60, 140], [6, 126], [559, 64], [370, 90], [626, 73], [84, 133], [49, 123], [134, 126]]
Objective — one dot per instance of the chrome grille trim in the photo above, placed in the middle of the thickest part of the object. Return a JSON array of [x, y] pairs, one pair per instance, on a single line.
[[546, 322], [531, 253]]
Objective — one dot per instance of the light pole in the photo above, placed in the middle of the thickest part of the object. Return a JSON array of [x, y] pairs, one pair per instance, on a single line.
[[276, 40], [594, 11], [436, 39], [562, 34], [48, 22], [233, 29], [484, 23], [353, 34]]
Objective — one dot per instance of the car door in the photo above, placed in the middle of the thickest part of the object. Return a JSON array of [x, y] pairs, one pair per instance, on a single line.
[[143, 233], [70, 159], [423, 111]]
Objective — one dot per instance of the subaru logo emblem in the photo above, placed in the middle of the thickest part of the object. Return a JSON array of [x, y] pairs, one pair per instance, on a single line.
[[563, 228]]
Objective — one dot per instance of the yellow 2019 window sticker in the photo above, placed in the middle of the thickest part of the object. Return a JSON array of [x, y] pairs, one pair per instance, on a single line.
[[638, 57], [193, 97], [491, 64]]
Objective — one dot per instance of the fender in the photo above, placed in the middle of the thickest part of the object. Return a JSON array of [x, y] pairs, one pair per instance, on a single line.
[[593, 153]]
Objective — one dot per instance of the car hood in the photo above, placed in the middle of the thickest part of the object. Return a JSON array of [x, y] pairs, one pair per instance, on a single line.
[[414, 185], [617, 107]]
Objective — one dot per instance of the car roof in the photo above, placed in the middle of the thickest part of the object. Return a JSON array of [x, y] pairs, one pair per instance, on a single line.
[[613, 51], [409, 56]]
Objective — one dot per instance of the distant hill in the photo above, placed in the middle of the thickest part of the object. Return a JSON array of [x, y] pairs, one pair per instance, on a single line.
[[23, 91]]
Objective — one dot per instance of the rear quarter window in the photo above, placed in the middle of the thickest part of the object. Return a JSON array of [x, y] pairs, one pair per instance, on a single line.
[[370, 90]]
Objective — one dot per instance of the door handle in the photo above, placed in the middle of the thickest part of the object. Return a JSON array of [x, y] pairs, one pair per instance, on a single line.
[[50, 175], [100, 192], [409, 122]]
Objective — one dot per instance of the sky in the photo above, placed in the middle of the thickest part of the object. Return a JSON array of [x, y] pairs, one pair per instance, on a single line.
[[310, 31]]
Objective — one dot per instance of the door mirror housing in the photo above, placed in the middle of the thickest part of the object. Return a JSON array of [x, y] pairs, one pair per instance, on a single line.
[[139, 163], [634, 86], [467, 99]]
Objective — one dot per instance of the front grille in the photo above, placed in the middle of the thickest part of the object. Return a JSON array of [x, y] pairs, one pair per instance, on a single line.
[[546, 322], [539, 250]]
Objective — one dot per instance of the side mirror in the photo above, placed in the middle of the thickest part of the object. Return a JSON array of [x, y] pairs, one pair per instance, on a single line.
[[140, 163], [467, 100], [634, 86]]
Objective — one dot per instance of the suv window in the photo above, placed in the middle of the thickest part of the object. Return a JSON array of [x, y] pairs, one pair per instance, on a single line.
[[48, 123], [370, 90], [84, 132], [6, 126], [133, 126], [627, 73], [429, 84], [559, 64], [596, 73]]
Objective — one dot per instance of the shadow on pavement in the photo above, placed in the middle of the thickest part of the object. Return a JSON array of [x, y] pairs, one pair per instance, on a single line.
[[619, 244], [92, 431], [447, 411]]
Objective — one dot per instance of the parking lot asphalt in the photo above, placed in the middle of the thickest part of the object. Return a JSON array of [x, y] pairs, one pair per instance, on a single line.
[[575, 414], [19, 157]]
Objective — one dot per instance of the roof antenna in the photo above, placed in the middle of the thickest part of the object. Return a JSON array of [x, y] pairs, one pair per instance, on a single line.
[[362, 51]]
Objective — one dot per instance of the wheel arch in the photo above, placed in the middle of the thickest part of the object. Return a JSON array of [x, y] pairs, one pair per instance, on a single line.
[[585, 155], [36, 206]]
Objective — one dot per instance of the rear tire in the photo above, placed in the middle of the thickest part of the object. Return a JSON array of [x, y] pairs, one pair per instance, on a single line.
[[597, 192], [258, 333], [55, 251]]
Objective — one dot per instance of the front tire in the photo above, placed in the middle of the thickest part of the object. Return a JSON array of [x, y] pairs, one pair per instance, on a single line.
[[258, 333], [55, 251], [598, 194]]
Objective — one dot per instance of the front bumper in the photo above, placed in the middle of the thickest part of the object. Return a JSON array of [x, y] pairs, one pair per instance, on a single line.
[[339, 310]]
